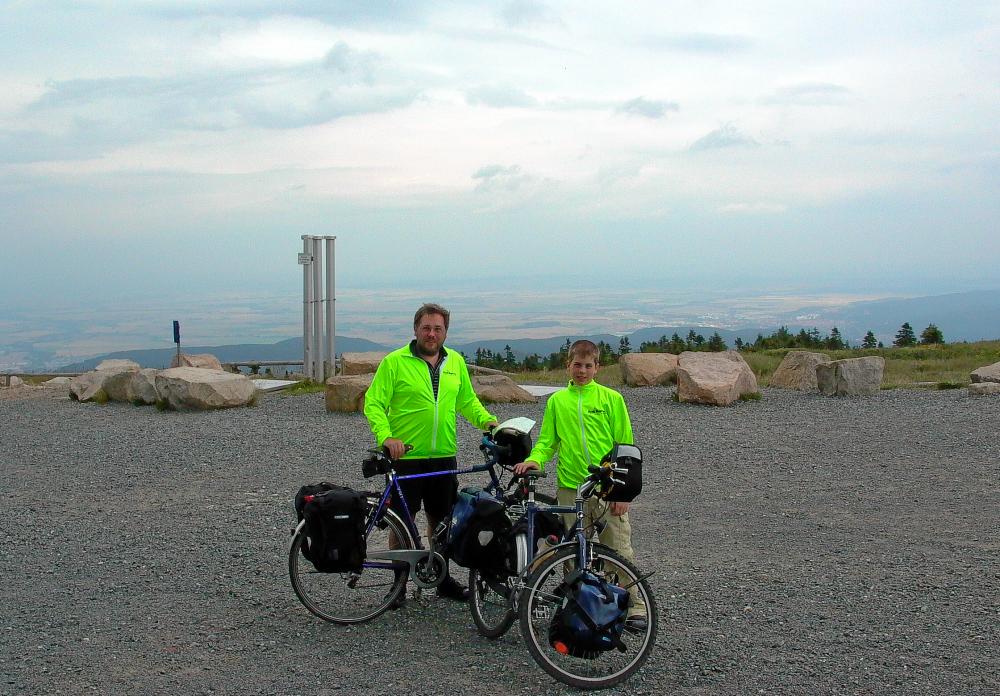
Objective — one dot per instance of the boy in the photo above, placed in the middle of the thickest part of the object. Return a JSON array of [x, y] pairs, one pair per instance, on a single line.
[[582, 422]]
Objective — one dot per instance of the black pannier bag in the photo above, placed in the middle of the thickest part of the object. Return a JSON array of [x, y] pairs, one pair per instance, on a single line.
[[479, 531], [335, 527], [624, 457], [591, 618], [547, 525]]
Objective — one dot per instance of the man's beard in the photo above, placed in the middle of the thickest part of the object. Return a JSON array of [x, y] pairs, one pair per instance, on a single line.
[[426, 352]]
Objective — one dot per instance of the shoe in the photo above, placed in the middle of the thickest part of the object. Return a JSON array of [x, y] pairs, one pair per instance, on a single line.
[[636, 624], [400, 601], [451, 589]]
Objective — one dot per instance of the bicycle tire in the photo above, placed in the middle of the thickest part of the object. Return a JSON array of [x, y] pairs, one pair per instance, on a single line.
[[351, 598], [492, 598], [537, 604]]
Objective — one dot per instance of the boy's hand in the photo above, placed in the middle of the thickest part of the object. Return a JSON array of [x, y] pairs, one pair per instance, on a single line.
[[524, 466], [618, 509]]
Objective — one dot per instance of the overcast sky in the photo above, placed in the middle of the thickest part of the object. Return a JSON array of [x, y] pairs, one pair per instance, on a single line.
[[185, 146]]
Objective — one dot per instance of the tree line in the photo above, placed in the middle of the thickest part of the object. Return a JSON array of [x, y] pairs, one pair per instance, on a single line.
[[782, 338]]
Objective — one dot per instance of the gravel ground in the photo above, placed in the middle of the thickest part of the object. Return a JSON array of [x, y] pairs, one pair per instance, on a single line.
[[802, 545]]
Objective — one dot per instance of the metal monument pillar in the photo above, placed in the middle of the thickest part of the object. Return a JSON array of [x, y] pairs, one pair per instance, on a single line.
[[318, 327]]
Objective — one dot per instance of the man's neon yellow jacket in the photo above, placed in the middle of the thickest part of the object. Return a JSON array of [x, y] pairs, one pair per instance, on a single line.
[[400, 403], [581, 424]]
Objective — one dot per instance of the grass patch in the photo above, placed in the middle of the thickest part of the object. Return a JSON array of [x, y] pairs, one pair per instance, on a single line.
[[951, 385], [750, 396], [950, 363], [101, 397], [162, 405], [305, 386]]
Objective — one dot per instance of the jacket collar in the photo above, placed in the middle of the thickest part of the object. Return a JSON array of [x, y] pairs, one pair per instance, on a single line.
[[586, 388]]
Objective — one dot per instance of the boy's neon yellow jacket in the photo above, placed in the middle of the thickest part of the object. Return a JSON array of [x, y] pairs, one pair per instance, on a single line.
[[400, 403], [581, 424]]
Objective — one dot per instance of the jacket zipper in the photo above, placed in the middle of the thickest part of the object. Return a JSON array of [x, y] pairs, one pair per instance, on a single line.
[[434, 435], [583, 431]]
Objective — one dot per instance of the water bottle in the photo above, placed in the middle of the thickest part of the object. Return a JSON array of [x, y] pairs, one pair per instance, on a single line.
[[546, 542]]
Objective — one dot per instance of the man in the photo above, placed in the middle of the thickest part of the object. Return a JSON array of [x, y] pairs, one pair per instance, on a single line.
[[413, 400]]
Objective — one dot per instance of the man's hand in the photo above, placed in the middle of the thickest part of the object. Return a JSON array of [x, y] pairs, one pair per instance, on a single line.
[[490, 426], [521, 467], [395, 447], [618, 509]]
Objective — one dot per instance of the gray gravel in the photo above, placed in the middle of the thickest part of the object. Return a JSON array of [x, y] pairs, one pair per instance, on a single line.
[[802, 545]]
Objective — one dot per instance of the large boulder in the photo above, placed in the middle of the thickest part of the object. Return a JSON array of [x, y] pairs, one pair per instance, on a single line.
[[93, 385], [360, 363], [118, 365], [198, 389], [717, 379], [346, 393], [984, 388], [990, 373], [851, 377], [116, 385], [141, 389], [798, 370], [500, 389], [648, 369], [206, 361]]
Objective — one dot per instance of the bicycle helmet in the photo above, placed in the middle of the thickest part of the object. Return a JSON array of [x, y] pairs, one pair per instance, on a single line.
[[514, 446]]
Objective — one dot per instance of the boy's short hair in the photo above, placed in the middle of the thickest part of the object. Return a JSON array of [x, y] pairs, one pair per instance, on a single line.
[[431, 308], [584, 349]]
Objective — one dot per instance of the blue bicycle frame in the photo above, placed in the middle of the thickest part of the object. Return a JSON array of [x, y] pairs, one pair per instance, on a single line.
[[392, 485]]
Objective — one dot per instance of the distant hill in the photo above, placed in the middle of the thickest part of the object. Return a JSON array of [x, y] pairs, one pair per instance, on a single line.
[[962, 316], [289, 349]]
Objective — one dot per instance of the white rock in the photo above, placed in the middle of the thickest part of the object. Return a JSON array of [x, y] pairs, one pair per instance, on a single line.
[[984, 388], [717, 379], [118, 365], [990, 373], [360, 363], [195, 388], [648, 369], [203, 360], [851, 377], [90, 385], [798, 370], [346, 393], [500, 389], [142, 387]]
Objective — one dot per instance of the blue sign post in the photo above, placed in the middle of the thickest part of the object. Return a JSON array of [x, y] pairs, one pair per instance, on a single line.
[[177, 340]]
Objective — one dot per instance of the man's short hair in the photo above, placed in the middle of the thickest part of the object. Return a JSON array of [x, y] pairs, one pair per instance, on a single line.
[[583, 349], [431, 308]]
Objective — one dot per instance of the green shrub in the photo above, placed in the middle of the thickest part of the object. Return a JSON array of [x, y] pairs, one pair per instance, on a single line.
[[162, 405], [101, 397], [750, 396]]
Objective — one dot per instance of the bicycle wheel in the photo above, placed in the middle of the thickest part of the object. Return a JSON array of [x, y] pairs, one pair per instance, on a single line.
[[349, 598], [542, 595], [492, 596]]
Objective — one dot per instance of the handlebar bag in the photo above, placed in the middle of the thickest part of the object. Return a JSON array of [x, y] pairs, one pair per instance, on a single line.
[[624, 457], [478, 531], [591, 618], [335, 527]]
